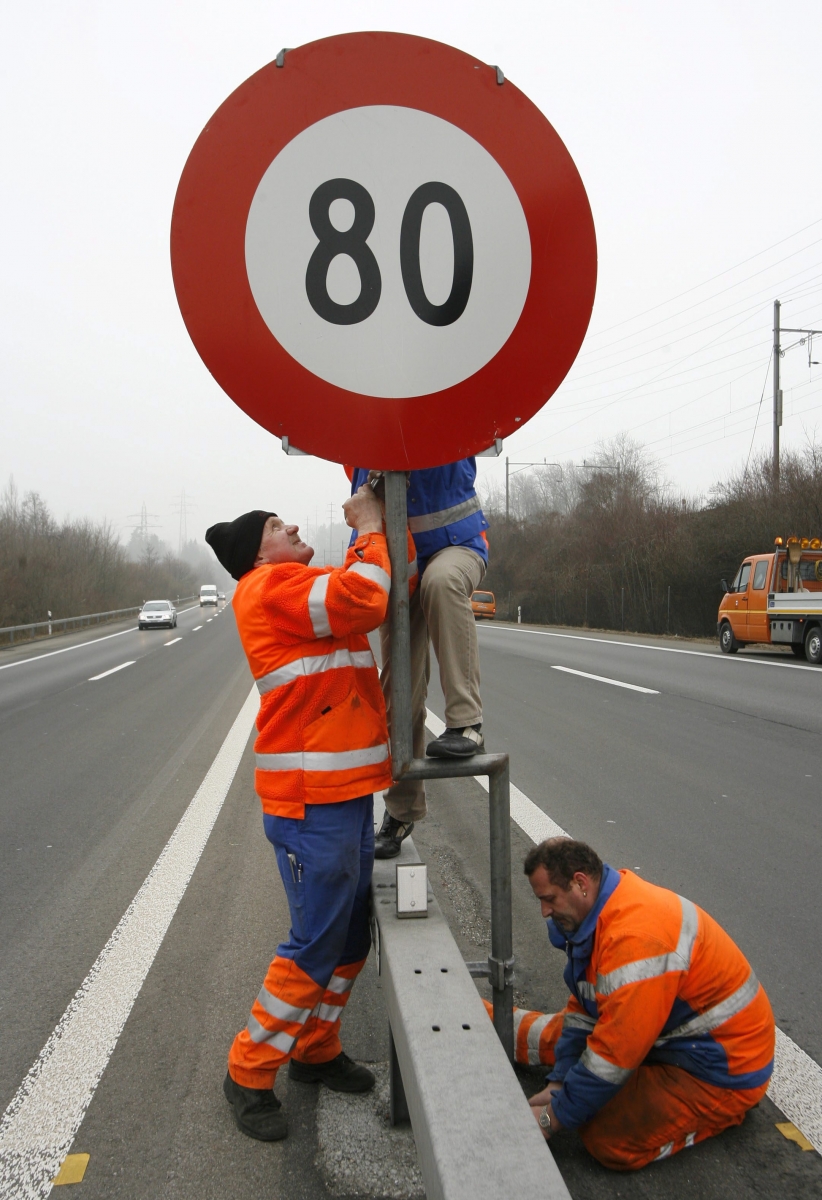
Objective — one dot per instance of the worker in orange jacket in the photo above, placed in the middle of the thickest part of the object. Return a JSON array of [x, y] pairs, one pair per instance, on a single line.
[[668, 1036], [321, 752]]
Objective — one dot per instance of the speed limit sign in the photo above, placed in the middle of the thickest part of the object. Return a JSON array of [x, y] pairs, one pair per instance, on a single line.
[[383, 252]]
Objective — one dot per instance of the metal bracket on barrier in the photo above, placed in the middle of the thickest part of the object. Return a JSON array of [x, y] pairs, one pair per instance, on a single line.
[[499, 971]]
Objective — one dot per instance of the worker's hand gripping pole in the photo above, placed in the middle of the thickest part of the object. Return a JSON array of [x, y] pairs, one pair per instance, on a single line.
[[396, 523]]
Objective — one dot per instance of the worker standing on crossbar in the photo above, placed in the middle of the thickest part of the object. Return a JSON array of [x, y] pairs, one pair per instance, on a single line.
[[447, 524], [668, 1036]]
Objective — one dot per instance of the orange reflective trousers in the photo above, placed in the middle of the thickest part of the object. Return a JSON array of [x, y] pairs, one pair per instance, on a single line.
[[659, 1111]]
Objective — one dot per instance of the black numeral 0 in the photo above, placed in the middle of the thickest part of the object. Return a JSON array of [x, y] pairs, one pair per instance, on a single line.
[[451, 201], [332, 242]]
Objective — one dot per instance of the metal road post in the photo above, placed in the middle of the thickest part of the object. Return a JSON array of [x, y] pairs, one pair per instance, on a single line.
[[501, 960], [396, 525], [777, 396]]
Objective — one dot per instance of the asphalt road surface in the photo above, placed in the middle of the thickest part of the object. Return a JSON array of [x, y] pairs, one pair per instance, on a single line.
[[707, 782]]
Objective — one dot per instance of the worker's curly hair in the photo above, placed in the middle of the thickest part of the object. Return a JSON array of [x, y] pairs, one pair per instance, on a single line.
[[562, 858]]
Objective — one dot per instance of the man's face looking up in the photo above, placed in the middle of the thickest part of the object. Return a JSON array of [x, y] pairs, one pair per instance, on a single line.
[[569, 907], [281, 543]]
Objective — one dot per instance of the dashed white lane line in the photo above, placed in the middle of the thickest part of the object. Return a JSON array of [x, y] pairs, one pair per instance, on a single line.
[[24, 662], [40, 1124], [111, 671], [209, 620], [173, 641], [604, 679], [725, 658], [796, 1083], [196, 627]]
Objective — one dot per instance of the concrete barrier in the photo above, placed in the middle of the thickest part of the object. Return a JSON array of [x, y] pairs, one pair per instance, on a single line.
[[475, 1134]]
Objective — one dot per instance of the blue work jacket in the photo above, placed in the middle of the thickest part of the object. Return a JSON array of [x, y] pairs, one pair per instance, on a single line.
[[443, 509]]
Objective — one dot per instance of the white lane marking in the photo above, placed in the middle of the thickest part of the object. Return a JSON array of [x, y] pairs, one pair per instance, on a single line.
[[24, 662], [578, 637], [604, 679], [196, 627], [41, 1122], [112, 670], [796, 1083], [81, 646], [209, 620], [173, 641]]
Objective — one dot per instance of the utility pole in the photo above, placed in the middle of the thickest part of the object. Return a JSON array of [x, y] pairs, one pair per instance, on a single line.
[[777, 395], [806, 339]]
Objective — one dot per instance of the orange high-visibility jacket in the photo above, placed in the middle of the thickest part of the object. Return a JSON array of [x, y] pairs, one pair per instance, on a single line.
[[653, 978], [322, 728]]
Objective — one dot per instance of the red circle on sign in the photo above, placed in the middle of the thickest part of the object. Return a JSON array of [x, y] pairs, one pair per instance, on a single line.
[[208, 251]]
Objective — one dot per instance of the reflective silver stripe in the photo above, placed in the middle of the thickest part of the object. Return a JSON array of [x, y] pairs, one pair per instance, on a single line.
[[587, 989], [373, 572], [339, 984], [446, 516], [603, 1069], [666, 1151], [412, 568], [689, 1139], [534, 1034], [279, 1040], [328, 1012], [278, 1008], [712, 1018], [649, 968], [316, 606], [578, 1021], [313, 666], [318, 760]]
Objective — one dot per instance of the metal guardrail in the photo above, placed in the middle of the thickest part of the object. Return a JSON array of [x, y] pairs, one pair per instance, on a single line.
[[475, 1134], [80, 622]]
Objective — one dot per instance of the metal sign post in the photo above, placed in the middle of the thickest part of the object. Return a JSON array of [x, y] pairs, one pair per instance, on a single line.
[[499, 968]]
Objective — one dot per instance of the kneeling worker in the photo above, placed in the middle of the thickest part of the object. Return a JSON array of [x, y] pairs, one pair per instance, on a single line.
[[668, 1036], [321, 752]]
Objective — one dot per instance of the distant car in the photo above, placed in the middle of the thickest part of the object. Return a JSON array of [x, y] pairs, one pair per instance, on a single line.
[[221, 595], [157, 612], [483, 604]]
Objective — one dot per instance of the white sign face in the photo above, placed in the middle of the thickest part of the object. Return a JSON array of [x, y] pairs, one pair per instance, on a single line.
[[388, 252]]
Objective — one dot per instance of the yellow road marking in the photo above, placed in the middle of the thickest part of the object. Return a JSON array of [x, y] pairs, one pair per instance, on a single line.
[[73, 1169], [789, 1130]]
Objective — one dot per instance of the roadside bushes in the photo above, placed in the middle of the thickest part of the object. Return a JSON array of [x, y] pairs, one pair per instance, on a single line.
[[585, 546], [75, 567]]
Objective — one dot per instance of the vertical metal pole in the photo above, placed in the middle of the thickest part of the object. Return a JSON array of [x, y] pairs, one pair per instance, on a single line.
[[777, 415], [668, 622], [506, 487], [623, 609], [502, 932], [586, 608], [399, 624]]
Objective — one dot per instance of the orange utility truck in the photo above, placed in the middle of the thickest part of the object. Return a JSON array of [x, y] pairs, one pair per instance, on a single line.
[[776, 598]]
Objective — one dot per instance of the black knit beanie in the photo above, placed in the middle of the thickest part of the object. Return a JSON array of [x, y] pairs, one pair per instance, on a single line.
[[237, 543]]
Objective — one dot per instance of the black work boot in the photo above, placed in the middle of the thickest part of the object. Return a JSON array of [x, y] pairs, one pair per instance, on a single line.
[[389, 836], [257, 1111], [457, 743], [340, 1074]]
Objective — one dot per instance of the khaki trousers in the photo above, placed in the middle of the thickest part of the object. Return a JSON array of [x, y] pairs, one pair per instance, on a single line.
[[440, 612]]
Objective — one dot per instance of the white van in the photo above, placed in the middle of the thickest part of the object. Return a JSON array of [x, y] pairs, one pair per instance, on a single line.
[[208, 594]]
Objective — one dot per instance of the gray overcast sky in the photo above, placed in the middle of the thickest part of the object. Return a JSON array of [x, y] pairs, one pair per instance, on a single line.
[[695, 130]]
